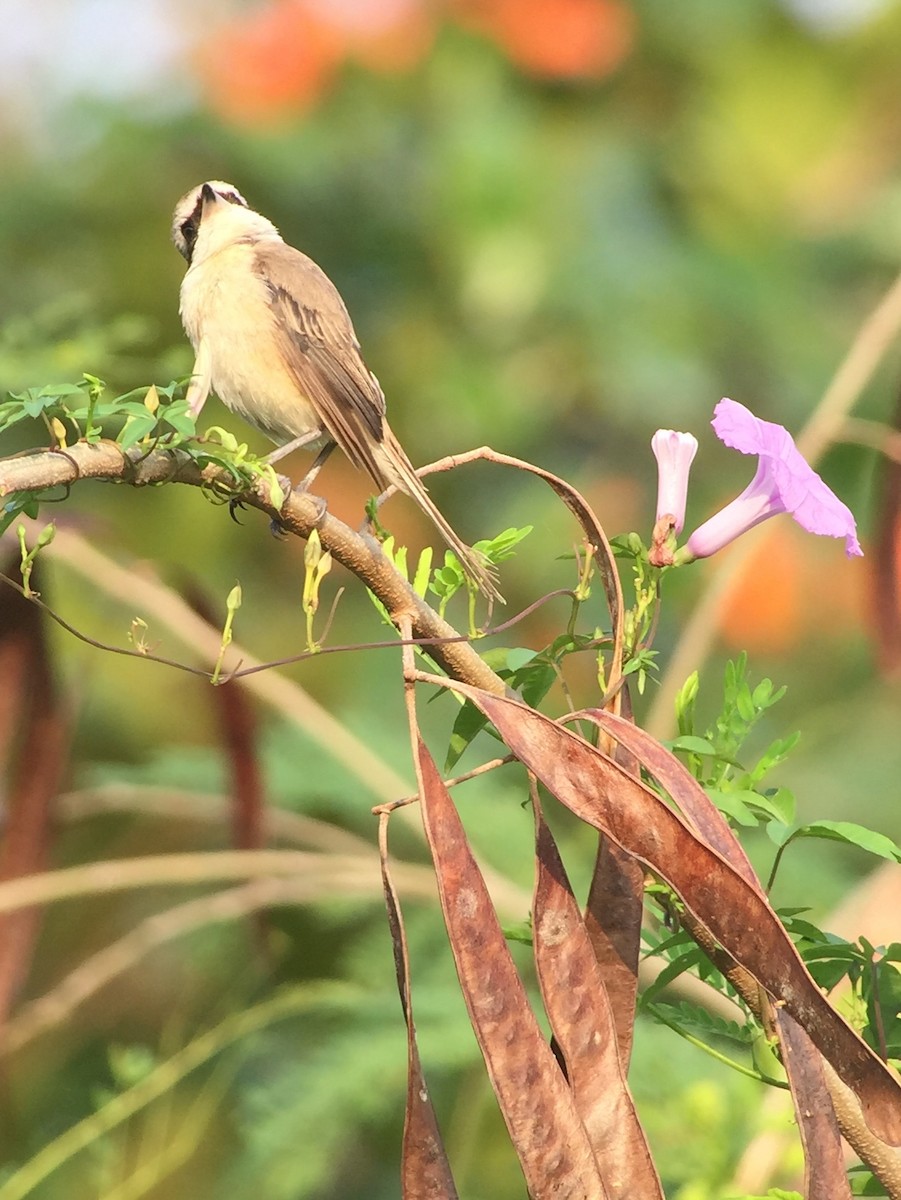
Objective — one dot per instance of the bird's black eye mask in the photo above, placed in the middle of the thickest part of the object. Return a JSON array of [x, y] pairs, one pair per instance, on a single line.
[[190, 227]]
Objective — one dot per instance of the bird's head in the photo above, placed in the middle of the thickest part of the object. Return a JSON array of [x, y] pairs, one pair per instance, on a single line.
[[214, 215]]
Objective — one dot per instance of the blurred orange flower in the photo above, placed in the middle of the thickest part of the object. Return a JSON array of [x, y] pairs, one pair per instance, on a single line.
[[386, 35], [276, 60], [280, 58], [779, 598], [764, 609], [557, 39]]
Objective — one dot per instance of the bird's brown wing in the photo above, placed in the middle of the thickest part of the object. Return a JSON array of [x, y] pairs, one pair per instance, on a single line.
[[317, 342]]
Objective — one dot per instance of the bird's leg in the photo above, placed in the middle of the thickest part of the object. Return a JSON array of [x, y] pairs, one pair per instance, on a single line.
[[297, 443], [318, 463], [275, 527]]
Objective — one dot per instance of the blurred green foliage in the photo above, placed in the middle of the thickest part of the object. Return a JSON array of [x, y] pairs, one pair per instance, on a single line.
[[553, 268]]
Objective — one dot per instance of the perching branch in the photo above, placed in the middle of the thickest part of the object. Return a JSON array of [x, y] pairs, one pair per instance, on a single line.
[[300, 514]]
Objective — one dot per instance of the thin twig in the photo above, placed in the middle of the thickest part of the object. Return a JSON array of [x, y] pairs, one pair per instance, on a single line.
[[300, 514], [141, 591], [573, 500], [482, 769], [240, 672]]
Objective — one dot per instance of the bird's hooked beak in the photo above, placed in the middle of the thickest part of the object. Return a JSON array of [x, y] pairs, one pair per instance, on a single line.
[[208, 195]]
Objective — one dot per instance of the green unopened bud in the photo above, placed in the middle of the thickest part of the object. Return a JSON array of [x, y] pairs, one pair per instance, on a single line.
[[312, 551], [46, 536], [58, 429]]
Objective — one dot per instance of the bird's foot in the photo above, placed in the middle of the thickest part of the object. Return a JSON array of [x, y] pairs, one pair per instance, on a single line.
[[278, 528], [321, 502]]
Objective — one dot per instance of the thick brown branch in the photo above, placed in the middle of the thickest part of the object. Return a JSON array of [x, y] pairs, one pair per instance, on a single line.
[[300, 514]]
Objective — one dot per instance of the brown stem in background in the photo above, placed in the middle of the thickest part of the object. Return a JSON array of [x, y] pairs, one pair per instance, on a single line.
[[238, 727], [884, 596], [35, 736]]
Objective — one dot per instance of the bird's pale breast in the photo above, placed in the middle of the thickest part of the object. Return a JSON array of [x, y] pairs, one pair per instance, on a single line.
[[225, 304]]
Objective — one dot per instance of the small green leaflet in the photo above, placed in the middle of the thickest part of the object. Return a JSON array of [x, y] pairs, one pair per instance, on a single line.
[[839, 831]]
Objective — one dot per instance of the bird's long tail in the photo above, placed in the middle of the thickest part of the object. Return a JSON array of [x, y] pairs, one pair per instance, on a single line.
[[399, 470]]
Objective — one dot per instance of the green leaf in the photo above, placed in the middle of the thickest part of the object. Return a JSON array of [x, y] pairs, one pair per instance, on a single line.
[[470, 721], [628, 545], [781, 803], [136, 429], [864, 1182], [15, 506], [423, 572], [519, 657], [693, 744], [851, 834], [757, 804], [177, 417], [644, 660], [698, 1020], [35, 405], [775, 754], [521, 932], [766, 1062], [13, 418], [734, 806], [670, 947], [773, 1194], [685, 962], [799, 926], [881, 988], [534, 681], [778, 832], [764, 696], [448, 579], [744, 704], [501, 547]]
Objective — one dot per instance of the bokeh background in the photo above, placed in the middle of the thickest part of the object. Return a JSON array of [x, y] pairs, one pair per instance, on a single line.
[[558, 225]]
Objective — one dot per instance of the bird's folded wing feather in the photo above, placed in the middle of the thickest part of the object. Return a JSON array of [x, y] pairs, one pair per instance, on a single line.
[[201, 380], [316, 340]]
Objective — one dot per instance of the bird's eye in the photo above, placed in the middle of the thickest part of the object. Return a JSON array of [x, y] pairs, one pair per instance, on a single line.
[[188, 231]]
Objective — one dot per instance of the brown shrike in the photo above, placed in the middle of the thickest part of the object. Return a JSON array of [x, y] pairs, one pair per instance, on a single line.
[[274, 341]]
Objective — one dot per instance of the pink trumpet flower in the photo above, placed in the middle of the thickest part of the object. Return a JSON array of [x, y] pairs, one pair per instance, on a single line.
[[674, 453], [784, 482]]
